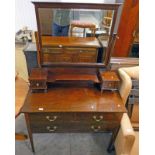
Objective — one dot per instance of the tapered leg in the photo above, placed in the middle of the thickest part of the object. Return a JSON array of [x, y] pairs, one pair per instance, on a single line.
[[112, 140], [29, 131]]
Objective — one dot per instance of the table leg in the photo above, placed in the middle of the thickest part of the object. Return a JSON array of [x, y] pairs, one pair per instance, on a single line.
[[112, 140], [29, 131]]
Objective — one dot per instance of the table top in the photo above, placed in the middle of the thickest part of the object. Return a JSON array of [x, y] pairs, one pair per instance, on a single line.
[[73, 99]]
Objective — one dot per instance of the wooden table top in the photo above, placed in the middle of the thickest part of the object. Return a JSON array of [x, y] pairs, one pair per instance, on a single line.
[[73, 99], [70, 41]]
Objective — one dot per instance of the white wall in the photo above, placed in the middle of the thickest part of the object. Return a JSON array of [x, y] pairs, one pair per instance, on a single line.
[[24, 15], [25, 12]]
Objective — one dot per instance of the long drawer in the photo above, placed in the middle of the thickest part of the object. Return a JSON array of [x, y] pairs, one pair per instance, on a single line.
[[73, 127], [70, 54], [74, 117]]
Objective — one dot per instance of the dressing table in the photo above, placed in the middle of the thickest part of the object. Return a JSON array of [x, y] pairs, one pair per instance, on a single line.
[[65, 93]]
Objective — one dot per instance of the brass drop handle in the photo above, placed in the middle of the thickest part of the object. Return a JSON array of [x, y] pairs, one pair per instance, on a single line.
[[37, 84], [98, 119], [95, 129], [51, 129], [51, 119]]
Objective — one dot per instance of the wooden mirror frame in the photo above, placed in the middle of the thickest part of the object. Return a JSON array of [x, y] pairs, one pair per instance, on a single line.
[[101, 6]]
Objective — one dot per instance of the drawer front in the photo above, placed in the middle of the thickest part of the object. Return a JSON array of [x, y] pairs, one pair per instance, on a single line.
[[73, 127], [48, 118], [70, 55], [63, 118], [38, 84], [98, 117], [108, 85]]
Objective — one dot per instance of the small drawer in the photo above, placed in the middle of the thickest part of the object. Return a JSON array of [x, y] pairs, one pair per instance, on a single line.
[[108, 85], [38, 84]]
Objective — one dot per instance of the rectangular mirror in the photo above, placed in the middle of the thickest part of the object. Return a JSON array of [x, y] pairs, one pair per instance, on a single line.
[[75, 33]]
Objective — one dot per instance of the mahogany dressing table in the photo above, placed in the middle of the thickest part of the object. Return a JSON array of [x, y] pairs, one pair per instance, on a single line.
[[65, 93]]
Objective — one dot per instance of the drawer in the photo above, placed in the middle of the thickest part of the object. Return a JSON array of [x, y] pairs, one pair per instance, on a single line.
[[98, 117], [38, 84], [73, 127], [108, 85], [48, 118]]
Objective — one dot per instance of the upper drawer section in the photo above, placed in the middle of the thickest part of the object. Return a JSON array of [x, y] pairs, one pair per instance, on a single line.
[[64, 54], [46, 118]]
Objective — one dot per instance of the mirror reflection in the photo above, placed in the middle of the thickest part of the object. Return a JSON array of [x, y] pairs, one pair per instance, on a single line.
[[75, 22]]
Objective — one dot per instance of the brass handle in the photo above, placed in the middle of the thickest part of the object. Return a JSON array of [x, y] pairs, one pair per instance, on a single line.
[[95, 129], [51, 129], [97, 119], [37, 84], [51, 119]]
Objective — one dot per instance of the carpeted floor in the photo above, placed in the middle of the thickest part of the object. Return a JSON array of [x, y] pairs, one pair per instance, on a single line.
[[62, 143]]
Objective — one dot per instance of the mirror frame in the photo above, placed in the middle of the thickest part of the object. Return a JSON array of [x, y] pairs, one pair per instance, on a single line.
[[65, 5]]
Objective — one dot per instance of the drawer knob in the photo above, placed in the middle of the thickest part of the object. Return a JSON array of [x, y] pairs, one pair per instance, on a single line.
[[95, 129], [51, 119], [51, 129], [60, 46], [37, 84], [98, 119]]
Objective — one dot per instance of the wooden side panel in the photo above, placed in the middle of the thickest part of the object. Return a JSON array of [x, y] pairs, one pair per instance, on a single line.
[[126, 28]]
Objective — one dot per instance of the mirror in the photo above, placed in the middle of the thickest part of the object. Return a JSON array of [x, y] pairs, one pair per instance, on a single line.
[[72, 21], [75, 22]]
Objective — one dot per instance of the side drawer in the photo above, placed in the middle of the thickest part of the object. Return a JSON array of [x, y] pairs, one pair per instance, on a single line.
[[108, 85], [38, 84]]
